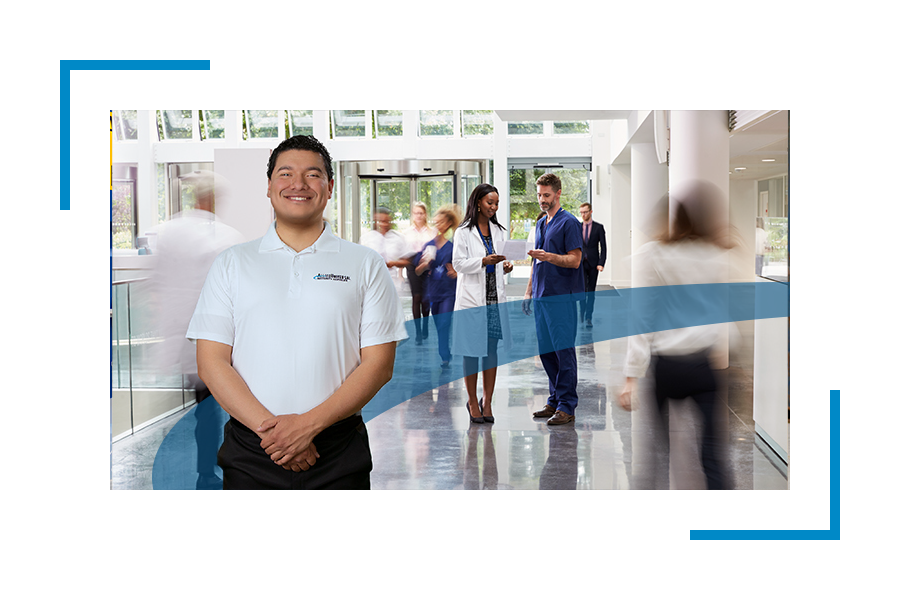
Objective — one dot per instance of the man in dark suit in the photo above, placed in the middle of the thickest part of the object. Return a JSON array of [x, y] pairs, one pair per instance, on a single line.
[[593, 259]]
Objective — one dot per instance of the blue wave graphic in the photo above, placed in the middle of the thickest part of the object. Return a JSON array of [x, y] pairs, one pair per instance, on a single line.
[[417, 369]]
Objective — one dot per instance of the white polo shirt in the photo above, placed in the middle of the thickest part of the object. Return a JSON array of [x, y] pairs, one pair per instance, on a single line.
[[296, 321]]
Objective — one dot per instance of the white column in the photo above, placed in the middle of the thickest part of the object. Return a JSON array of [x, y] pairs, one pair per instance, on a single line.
[[601, 198], [500, 175], [742, 202], [618, 234], [699, 151], [649, 183], [148, 203]]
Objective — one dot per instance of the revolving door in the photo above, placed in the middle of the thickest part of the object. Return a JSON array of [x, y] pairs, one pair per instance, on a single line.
[[397, 185]]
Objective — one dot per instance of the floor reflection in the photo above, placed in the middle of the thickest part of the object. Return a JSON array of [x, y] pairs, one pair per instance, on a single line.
[[429, 443]]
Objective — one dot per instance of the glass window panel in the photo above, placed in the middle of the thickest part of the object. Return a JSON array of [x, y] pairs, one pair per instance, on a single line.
[[161, 186], [125, 122], [301, 122], [388, 123], [772, 257], [349, 123], [177, 124], [435, 193], [575, 188], [262, 123], [123, 214], [213, 124], [365, 205], [477, 122], [394, 195], [523, 205], [571, 127], [436, 122], [467, 184], [525, 128]]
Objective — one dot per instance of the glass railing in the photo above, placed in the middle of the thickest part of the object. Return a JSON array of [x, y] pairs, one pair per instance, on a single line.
[[141, 392]]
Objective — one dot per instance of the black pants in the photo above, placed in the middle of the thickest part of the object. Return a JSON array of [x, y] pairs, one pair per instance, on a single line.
[[344, 464], [680, 377]]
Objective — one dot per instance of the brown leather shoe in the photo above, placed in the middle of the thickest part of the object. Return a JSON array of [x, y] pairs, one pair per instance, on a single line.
[[560, 418], [544, 412]]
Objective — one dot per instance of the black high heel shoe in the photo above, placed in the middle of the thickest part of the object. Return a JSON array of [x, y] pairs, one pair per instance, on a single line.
[[471, 418], [481, 408]]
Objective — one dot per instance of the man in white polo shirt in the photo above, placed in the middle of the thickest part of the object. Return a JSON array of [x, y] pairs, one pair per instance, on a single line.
[[296, 332]]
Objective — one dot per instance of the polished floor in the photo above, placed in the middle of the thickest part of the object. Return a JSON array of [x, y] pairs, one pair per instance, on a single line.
[[428, 442]]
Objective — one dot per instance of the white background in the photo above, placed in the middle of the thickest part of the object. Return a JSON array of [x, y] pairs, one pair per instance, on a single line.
[[69, 532]]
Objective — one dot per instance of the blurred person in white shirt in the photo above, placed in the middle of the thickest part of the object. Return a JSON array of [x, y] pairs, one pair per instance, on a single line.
[[690, 250]]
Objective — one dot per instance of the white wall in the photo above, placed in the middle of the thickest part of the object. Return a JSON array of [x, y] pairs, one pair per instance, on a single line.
[[601, 193], [742, 215], [247, 208], [618, 235]]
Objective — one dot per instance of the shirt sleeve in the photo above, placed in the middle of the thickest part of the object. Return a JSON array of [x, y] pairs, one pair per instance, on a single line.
[[213, 318], [382, 314], [644, 305]]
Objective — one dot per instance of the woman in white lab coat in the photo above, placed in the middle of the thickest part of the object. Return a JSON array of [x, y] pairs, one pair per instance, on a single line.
[[480, 287]]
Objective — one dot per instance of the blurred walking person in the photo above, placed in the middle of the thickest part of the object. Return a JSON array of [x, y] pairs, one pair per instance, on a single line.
[[693, 250], [435, 267], [417, 235]]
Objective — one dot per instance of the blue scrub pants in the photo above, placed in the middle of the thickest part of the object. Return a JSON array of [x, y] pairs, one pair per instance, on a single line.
[[442, 311], [557, 323]]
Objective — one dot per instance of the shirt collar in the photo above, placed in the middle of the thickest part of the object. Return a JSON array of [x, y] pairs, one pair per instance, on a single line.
[[327, 242]]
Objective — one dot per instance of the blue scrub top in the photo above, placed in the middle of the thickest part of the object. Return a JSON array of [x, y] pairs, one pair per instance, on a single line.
[[439, 286], [560, 236]]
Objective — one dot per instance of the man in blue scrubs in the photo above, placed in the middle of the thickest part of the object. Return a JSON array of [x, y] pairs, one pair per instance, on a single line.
[[556, 284]]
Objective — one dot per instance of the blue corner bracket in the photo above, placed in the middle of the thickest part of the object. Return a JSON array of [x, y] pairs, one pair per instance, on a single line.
[[834, 530], [65, 124]]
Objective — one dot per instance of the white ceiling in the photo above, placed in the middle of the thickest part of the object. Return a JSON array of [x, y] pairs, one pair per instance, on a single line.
[[767, 137]]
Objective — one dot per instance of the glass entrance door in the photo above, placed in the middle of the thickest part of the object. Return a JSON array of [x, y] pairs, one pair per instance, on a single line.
[[397, 185], [524, 210], [398, 194]]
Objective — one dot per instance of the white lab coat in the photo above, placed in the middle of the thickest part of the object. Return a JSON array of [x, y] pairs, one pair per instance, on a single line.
[[468, 250]]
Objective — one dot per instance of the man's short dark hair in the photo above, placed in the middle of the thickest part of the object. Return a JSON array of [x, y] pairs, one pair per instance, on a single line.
[[551, 180], [586, 204], [301, 142]]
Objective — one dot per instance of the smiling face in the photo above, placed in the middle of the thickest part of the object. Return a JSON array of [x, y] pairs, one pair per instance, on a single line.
[[547, 198], [488, 204], [299, 188]]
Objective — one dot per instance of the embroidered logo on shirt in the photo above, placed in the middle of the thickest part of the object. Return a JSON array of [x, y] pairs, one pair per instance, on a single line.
[[332, 277]]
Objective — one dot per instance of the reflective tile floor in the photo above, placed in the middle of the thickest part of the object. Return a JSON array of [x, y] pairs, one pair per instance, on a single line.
[[428, 443]]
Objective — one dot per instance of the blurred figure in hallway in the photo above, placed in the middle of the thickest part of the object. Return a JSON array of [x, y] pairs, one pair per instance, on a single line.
[[387, 242], [417, 235], [435, 267], [187, 244], [690, 250], [593, 259]]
